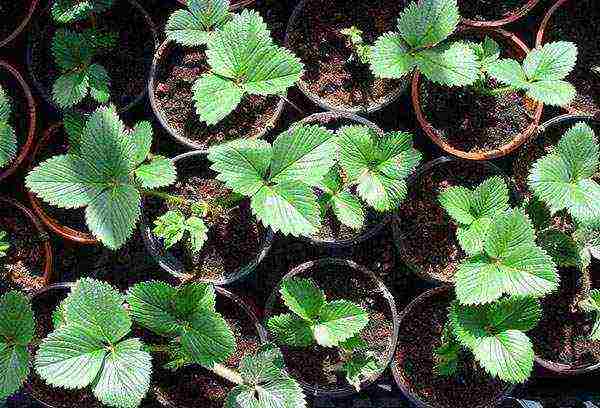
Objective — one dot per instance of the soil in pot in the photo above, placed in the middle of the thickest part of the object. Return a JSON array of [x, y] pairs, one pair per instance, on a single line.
[[315, 365], [331, 72], [19, 119], [194, 386], [420, 335], [234, 239], [127, 64], [176, 73], [428, 242], [577, 21], [23, 265], [562, 336], [486, 10], [13, 13]]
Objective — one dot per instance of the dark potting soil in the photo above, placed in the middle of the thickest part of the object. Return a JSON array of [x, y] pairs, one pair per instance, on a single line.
[[315, 365], [13, 13], [23, 265], [577, 21], [428, 243], [175, 76], [128, 63], [472, 122], [562, 336], [420, 335], [332, 72], [19, 118], [234, 239], [195, 386], [489, 10]]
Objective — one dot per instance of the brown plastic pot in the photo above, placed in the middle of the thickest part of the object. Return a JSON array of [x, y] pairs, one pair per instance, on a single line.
[[521, 50], [27, 145], [403, 382], [44, 239], [512, 17], [52, 136], [236, 5], [165, 48], [21, 27], [311, 268]]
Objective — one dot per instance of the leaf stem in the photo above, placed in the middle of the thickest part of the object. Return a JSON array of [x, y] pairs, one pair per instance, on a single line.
[[166, 196], [228, 374]]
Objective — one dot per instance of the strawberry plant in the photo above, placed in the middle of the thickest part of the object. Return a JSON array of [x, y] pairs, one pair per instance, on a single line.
[[106, 171], [361, 50], [194, 26], [197, 334], [17, 329], [498, 286], [313, 320], [91, 346], [8, 138]]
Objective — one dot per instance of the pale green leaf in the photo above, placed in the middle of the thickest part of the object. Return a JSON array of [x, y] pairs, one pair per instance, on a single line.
[[339, 321], [428, 22], [160, 172], [381, 192], [452, 65], [508, 72], [554, 61], [302, 297], [198, 232], [215, 97], [390, 57], [348, 209], [555, 93]]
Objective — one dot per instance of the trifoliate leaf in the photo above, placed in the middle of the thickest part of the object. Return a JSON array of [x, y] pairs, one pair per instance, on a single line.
[[339, 321], [428, 22], [390, 57], [170, 227], [291, 329], [302, 297], [265, 364], [193, 27], [215, 97], [451, 65], [160, 172], [71, 50]]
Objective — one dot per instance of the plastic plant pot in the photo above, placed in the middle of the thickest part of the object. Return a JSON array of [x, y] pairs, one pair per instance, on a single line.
[[517, 47], [165, 257], [510, 18], [31, 8], [314, 269]]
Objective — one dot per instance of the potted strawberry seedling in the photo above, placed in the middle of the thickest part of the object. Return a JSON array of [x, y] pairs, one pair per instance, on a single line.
[[499, 102], [27, 263], [16, 17], [85, 54], [336, 325], [206, 354], [104, 174], [424, 234], [333, 39], [480, 14], [219, 75], [473, 342], [17, 120], [86, 322], [575, 21]]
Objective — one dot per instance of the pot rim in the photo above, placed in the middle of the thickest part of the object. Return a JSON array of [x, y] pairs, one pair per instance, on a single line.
[[44, 92], [383, 291], [397, 373], [32, 6], [32, 114], [512, 17], [502, 151], [163, 49]]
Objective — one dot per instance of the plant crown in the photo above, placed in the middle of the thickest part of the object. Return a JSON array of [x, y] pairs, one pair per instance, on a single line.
[[106, 171], [91, 346], [8, 137]]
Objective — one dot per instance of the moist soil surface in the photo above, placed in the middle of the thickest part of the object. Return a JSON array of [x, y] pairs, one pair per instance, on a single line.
[[315, 365], [13, 13], [562, 336], [333, 72], [489, 10], [23, 265], [19, 118], [420, 335], [577, 21], [428, 242], [194, 386], [234, 238], [128, 63], [176, 74]]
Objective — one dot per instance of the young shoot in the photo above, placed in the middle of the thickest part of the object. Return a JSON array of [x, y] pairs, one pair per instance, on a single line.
[[195, 333], [93, 327], [315, 320], [361, 50], [106, 171], [8, 137]]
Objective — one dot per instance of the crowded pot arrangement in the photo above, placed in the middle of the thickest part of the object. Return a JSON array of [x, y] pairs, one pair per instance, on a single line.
[[258, 133]]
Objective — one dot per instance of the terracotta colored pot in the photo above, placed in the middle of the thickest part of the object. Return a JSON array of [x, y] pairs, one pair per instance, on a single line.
[[235, 6], [21, 27], [399, 378], [520, 49], [512, 17], [165, 48], [32, 119], [48, 270], [52, 136]]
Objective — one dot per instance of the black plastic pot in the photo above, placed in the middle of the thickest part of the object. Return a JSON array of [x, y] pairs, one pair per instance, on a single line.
[[377, 221], [168, 261], [313, 268], [165, 48], [402, 233], [296, 19], [33, 50], [399, 376]]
